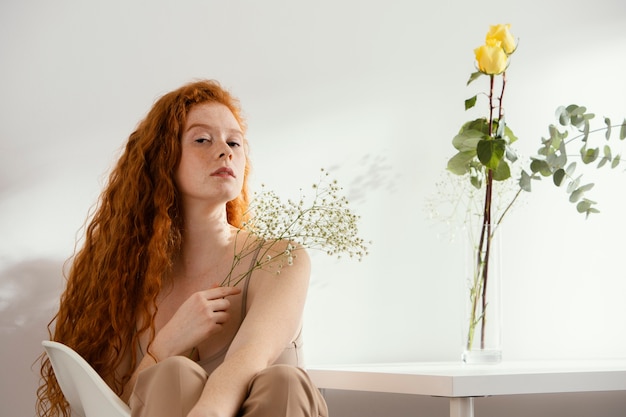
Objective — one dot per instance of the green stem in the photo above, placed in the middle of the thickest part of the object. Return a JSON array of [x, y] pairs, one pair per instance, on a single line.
[[582, 135], [508, 207]]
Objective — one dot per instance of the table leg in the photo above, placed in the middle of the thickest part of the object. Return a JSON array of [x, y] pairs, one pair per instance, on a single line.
[[462, 407]]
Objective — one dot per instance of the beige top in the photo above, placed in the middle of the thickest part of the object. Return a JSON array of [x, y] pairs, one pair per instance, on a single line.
[[292, 355]]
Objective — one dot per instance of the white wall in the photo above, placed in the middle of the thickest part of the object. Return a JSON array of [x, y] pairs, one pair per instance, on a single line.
[[371, 89]]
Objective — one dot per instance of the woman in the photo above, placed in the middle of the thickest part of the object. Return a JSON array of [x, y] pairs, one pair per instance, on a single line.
[[144, 304]]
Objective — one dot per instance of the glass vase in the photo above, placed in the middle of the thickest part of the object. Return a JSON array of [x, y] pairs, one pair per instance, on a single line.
[[482, 319]]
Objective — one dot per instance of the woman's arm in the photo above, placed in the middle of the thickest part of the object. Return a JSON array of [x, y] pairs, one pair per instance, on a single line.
[[275, 306], [200, 316]]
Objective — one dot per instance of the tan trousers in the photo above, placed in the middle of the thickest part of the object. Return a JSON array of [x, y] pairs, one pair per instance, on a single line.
[[172, 387]]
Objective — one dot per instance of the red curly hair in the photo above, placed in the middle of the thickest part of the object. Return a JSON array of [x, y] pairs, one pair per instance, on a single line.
[[129, 245]]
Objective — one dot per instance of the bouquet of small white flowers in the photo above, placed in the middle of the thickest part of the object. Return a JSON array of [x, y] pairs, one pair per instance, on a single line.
[[325, 223]]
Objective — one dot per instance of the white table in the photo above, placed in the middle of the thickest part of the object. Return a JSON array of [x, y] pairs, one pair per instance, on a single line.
[[461, 383]]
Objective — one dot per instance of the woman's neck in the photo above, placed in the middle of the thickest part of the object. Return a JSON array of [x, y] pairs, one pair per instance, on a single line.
[[206, 242]]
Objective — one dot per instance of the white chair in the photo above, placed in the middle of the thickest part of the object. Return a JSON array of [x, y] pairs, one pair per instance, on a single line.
[[84, 389]]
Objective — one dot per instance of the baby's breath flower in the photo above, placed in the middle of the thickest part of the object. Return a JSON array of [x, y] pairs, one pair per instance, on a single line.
[[325, 224]]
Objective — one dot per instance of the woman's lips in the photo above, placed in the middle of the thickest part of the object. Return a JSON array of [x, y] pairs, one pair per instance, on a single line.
[[223, 172]]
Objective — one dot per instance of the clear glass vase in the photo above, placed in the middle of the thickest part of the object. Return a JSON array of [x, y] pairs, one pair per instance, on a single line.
[[482, 318]]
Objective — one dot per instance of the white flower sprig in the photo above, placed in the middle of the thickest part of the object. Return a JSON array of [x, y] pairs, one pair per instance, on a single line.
[[326, 223]]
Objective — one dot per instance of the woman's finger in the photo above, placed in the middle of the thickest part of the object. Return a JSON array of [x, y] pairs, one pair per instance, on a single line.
[[219, 292]]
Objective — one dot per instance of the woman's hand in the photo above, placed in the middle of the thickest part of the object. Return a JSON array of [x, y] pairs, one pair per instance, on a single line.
[[200, 316]]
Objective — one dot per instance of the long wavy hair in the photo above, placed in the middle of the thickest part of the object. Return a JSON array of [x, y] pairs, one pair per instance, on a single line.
[[129, 244]]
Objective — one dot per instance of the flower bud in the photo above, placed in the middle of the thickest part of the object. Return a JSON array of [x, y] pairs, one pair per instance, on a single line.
[[501, 33], [491, 58]]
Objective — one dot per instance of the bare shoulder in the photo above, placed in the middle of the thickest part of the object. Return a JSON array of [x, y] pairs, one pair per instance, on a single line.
[[283, 258], [281, 267]]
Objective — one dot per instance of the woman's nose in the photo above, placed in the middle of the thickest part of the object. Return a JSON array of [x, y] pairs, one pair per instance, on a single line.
[[226, 152]]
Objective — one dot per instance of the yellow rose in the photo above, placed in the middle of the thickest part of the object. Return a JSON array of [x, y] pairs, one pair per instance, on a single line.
[[491, 58], [501, 33]]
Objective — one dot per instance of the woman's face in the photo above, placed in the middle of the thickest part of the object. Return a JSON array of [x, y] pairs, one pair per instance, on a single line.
[[213, 156]]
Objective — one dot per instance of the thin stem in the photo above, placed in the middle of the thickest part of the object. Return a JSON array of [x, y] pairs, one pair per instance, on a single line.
[[258, 243], [487, 228], [486, 242], [508, 207], [600, 129], [501, 108], [485, 235]]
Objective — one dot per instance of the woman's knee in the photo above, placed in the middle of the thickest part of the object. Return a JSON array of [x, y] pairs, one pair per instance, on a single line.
[[280, 376], [280, 373], [175, 380], [284, 390], [178, 364]]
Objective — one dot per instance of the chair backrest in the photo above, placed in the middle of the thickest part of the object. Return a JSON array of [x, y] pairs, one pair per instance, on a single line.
[[84, 389]]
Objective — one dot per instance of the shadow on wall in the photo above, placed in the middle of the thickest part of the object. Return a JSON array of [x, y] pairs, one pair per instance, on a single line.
[[369, 173], [29, 296]]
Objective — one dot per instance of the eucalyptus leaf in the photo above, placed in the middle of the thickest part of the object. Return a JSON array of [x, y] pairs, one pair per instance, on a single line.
[[607, 134], [583, 206], [573, 185], [589, 155], [603, 161], [575, 110], [607, 156], [562, 115], [579, 118], [524, 181], [622, 131], [570, 169], [510, 154], [586, 131], [586, 206], [576, 195], [556, 160], [540, 166], [576, 115], [616, 161], [555, 137], [561, 159], [558, 177]]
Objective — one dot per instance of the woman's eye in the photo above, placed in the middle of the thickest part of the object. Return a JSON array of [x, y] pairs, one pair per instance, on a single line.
[[204, 140], [234, 144]]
